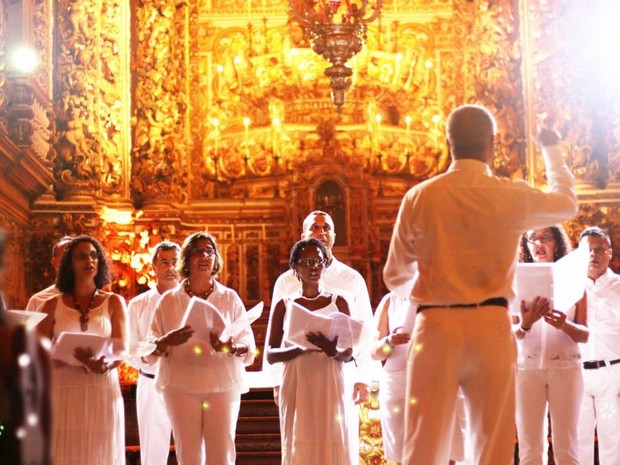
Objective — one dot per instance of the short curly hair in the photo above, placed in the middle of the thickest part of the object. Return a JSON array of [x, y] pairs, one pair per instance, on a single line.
[[66, 276], [562, 245]]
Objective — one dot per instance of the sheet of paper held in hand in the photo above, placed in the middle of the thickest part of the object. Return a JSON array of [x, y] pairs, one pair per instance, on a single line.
[[302, 321], [26, 318], [562, 282], [67, 342], [204, 318]]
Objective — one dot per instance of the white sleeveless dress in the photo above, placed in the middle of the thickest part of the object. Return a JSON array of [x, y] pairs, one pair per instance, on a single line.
[[312, 409], [88, 423]]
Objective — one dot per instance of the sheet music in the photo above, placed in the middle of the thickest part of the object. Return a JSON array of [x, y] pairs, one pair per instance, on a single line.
[[26, 318], [301, 321], [534, 280], [67, 342], [204, 318], [243, 322], [562, 282], [569, 277]]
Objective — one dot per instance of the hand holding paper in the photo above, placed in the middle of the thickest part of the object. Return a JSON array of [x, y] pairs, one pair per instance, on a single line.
[[85, 356], [533, 312], [203, 317], [302, 321], [562, 282], [329, 347], [64, 349]]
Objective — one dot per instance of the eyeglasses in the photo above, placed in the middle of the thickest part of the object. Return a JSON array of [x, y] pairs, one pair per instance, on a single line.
[[544, 237], [197, 252], [311, 262]]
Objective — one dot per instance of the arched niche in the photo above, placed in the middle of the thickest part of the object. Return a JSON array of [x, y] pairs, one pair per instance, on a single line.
[[331, 198]]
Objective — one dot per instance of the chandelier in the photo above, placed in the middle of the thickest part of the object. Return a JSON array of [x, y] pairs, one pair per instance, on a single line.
[[336, 41]]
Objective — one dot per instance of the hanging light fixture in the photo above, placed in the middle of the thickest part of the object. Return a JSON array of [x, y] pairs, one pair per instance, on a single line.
[[336, 37]]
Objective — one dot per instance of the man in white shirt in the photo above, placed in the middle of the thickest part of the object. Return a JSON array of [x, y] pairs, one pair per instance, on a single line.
[[153, 423], [453, 250], [345, 281], [37, 300], [600, 408]]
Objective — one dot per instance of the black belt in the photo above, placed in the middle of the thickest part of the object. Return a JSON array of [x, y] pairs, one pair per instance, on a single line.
[[498, 301], [148, 375], [599, 364]]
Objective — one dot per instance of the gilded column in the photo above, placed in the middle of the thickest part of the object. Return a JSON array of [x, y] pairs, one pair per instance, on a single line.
[[161, 109], [92, 83]]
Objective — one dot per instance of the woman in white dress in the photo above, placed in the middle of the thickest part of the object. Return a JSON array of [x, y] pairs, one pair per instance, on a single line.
[[549, 361], [88, 425], [311, 401], [202, 381]]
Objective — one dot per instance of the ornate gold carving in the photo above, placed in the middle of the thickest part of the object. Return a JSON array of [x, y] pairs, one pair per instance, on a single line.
[[16, 262], [41, 18], [90, 152], [493, 67], [161, 103]]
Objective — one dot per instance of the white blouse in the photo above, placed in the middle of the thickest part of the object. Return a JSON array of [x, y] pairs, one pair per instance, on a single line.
[[194, 367]]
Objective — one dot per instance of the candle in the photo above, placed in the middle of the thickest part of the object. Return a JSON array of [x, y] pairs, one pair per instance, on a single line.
[[220, 70], [398, 59]]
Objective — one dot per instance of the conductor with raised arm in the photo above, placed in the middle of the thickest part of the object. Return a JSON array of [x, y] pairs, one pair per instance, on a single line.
[[460, 230]]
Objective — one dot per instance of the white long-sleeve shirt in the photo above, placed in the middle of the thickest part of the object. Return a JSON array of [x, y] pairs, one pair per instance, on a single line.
[[603, 318], [342, 280], [462, 229], [140, 312]]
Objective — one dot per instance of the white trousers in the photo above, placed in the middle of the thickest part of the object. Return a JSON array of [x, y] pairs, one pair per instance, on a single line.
[[204, 426], [153, 423], [473, 348], [561, 389], [600, 408]]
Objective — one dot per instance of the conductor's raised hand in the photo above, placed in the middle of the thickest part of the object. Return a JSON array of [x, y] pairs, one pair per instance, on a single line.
[[547, 136], [329, 347]]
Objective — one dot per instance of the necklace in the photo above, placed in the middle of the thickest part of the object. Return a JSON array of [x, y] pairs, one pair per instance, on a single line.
[[84, 313], [312, 298], [201, 295]]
